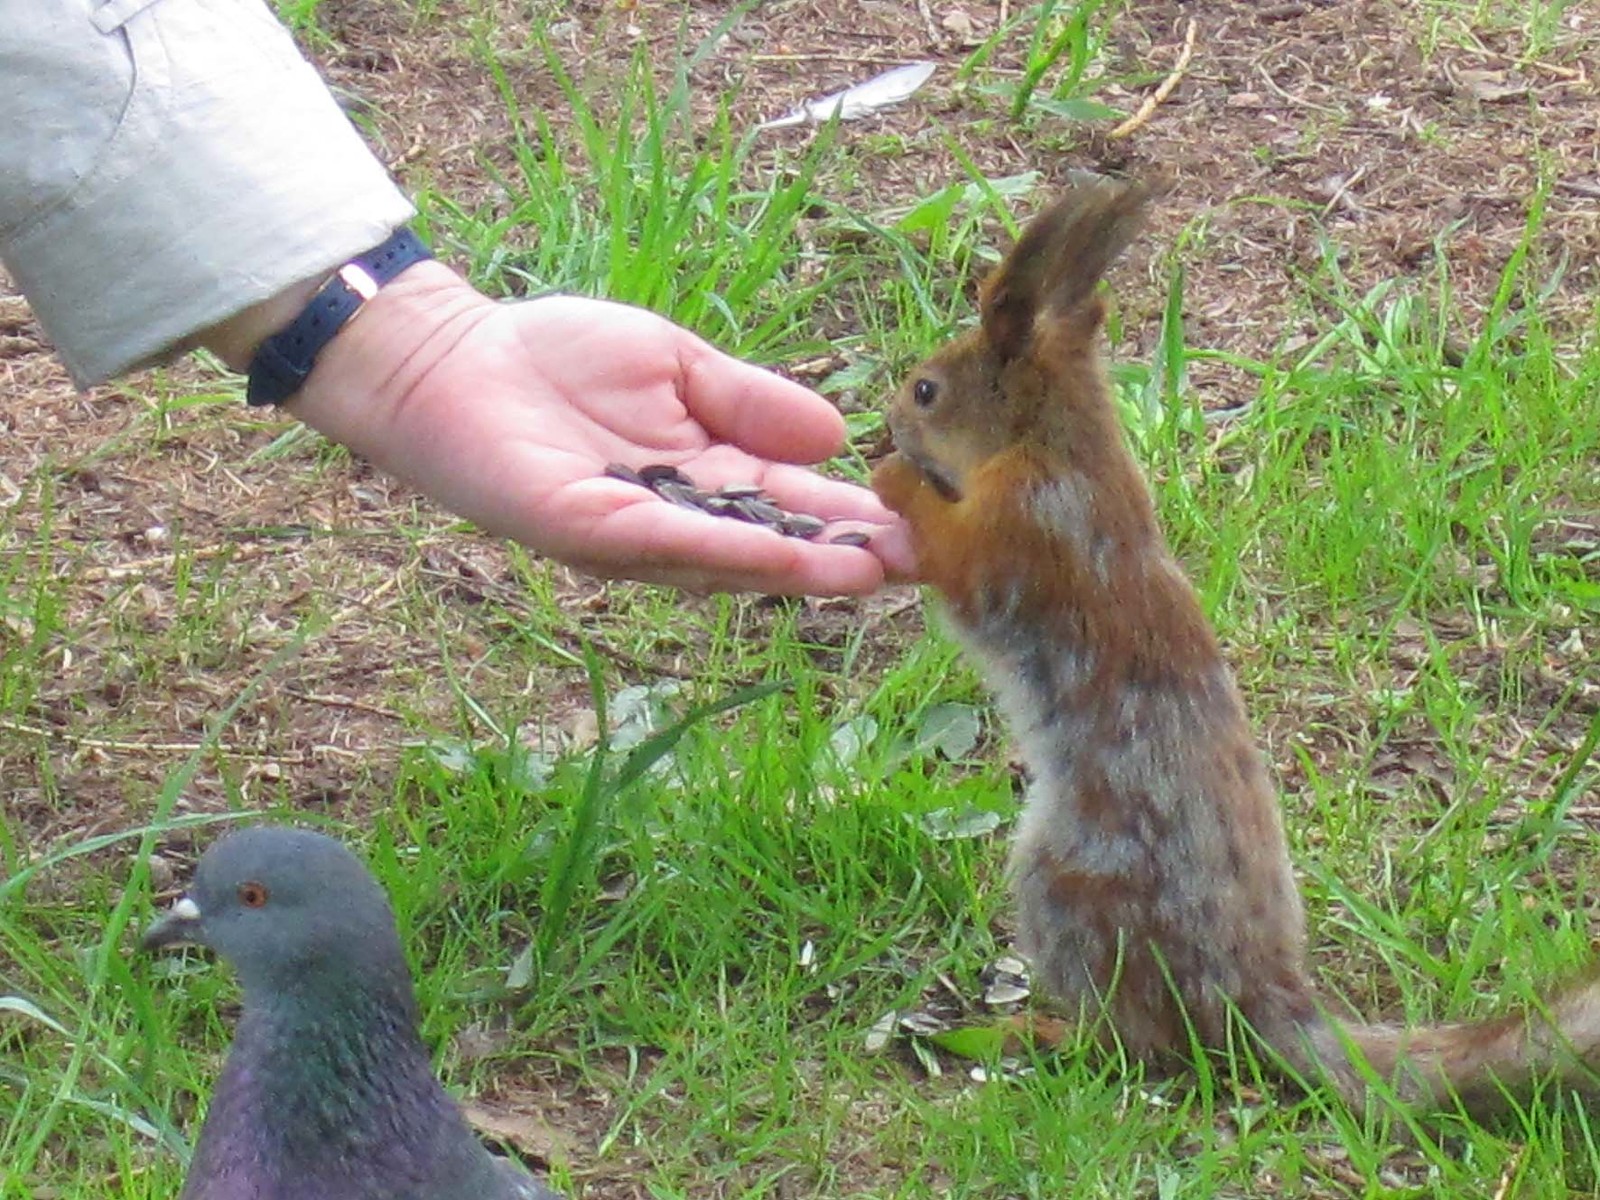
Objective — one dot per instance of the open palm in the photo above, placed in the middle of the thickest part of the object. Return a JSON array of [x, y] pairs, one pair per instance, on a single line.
[[509, 413]]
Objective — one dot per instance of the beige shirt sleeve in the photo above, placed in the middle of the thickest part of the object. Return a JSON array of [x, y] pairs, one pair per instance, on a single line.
[[165, 164]]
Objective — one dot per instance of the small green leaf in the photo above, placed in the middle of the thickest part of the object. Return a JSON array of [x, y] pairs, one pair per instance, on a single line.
[[947, 824], [856, 374], [451, 754], [850, 740], [980, 1043], [863, 426], [951, 730], [520, 974], [932, 213], [1075, 108], [28, 1008]]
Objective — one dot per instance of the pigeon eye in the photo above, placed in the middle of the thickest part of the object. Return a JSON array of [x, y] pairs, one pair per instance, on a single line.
[[924, 391], [253, 894]]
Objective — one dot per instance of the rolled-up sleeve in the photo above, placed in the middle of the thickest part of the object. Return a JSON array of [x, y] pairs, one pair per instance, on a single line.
[[165, 164]]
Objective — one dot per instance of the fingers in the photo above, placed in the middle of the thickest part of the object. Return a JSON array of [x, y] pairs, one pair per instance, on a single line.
[[762, 413], [892, 545], [803, 490], [847, 507], [810, 579], [798, 489], [656, 541]]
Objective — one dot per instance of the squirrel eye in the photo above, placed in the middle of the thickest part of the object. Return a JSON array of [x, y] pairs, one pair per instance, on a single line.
[[923, 392], [253, 894]]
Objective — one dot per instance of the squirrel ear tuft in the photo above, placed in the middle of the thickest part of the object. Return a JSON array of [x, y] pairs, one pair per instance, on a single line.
[[1011, 298], [1008, 311], [1058, 261]]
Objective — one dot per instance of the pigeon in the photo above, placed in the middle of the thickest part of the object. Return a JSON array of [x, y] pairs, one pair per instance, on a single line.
[[328, 1092]]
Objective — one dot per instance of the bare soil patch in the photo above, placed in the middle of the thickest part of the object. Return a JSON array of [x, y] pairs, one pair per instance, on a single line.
[[1294, 125]]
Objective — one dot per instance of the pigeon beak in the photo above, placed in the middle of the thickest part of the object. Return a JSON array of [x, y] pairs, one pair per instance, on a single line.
[[180, 924]]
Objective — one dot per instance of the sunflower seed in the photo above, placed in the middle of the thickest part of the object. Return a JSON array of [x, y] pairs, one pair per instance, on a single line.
[[683, 495], [761, 512], [625, 473], [657, 473], [803, 525], [852, 538], [740, 501]]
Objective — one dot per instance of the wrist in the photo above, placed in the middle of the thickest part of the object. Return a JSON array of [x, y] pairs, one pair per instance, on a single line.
[[283, 362], [362, 376]]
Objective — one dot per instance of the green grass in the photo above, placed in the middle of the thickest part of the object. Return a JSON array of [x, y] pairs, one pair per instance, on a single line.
[[637, 201], [1372, 535], [1472, 24]]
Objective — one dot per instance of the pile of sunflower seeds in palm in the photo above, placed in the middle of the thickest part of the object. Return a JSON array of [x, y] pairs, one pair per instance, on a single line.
[[738, 501]]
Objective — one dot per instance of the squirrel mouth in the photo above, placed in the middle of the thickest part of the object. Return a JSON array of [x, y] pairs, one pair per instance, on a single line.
[[908, 444], [938, 478]]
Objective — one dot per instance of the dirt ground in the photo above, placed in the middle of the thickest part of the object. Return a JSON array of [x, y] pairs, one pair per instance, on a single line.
[[1354, 120], [1398, 138]]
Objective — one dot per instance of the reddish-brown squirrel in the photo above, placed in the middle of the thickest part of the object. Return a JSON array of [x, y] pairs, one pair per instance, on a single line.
[[1150, 869]]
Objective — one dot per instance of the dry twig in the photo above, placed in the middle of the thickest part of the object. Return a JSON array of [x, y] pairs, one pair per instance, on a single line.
[[292, 757], [328, 700], [1154, 99], [1508, 1177], [1342, 190], [164, 564]]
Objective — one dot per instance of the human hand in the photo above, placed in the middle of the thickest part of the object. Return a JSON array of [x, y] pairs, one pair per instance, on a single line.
[[508, 414]]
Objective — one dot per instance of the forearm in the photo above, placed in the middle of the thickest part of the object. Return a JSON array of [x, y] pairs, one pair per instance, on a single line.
[[181, 178]]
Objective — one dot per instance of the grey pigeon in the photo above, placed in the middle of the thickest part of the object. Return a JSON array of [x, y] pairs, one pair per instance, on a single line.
[[328, 1092]]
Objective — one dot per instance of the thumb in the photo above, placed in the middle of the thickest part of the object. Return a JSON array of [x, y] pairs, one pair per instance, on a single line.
[[760, 412]]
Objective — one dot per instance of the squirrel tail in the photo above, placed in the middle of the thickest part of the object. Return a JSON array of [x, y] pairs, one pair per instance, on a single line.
[[1481, 1066]]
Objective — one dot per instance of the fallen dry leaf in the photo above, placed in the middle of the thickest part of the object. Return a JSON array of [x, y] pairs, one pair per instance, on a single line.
[[524, 1132], [1489, 86], [958, 24]]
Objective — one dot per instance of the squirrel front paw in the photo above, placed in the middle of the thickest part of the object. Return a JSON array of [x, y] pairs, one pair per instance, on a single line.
[[897, 480]]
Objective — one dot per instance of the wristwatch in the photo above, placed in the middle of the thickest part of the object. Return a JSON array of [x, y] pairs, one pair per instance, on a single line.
[[282, 362]]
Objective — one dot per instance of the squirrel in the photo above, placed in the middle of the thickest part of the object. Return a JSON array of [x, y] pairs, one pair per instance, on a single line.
[[1149, 868]]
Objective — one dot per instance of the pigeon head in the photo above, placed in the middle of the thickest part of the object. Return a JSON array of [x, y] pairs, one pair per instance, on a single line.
[[289, 909]]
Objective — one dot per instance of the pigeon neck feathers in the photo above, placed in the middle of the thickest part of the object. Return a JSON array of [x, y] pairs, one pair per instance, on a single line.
[[335, 1102]]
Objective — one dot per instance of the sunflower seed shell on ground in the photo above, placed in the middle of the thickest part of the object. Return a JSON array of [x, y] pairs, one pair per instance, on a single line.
[[1005, 982], [1001, 994]]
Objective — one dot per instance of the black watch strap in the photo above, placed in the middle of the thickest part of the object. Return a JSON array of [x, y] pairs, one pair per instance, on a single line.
[[283, 361]]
